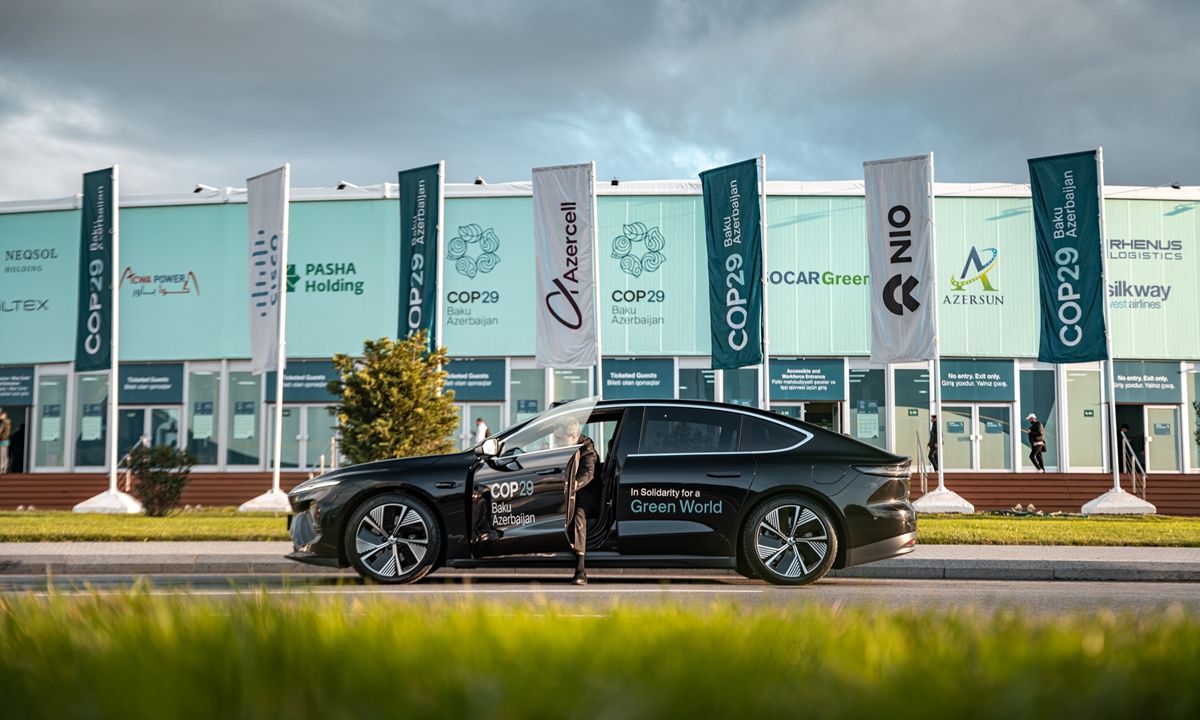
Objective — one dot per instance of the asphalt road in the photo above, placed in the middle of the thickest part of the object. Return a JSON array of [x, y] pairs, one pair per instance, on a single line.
[[1038, 597]]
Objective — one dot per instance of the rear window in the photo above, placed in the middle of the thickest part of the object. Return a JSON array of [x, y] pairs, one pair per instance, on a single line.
[[760, 435], [690, 430]]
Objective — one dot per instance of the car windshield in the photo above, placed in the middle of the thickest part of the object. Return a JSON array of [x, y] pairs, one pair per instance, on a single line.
[[557, 427]]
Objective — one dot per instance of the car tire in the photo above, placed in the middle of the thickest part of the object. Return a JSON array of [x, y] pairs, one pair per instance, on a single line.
[[789, 540], [393, 539]]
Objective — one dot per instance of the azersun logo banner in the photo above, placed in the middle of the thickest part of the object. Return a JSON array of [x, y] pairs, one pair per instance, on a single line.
[[899, 202], [93, 335], [734, 232], [420, 203], [1066, 211], [564, 214], [267, 212]]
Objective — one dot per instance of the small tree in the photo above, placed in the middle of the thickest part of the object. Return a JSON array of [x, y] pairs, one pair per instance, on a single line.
[[391, 402], [162, 471]]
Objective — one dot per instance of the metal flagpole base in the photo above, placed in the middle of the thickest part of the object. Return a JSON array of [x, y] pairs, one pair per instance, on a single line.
[[270, 501], [110, 503], [941, 500], [1118, 502]]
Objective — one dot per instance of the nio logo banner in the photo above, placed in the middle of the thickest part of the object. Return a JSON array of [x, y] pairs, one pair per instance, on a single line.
[[978, 268], [473, 250], [900, 250], [563, 217]]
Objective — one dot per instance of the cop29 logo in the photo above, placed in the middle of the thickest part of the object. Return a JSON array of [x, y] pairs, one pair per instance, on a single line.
[[649, 259], [473, 250]]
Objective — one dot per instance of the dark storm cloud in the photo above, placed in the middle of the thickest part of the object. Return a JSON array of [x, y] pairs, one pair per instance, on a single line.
[[215, 92]]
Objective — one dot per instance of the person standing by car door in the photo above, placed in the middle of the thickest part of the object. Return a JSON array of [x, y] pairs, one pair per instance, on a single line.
[[1037, 442], [566, 433]]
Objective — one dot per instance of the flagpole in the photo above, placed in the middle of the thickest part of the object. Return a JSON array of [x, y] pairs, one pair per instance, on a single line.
[[114, 374], [440, 240], [937, 344], [762, 228], [1112, 398], [596, 286], [282, 352]]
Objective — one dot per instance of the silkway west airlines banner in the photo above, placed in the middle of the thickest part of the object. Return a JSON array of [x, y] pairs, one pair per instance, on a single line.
[[734, 233], [93, 334], [1066, 214], [267, 210], [564, 214], [899, 196], [420, 206]]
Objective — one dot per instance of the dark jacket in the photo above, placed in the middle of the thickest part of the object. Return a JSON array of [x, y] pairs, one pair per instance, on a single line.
[[1036, 433], [588, 459]]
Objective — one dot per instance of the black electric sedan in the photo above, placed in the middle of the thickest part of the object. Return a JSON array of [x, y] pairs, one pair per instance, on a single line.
[[678, 484]]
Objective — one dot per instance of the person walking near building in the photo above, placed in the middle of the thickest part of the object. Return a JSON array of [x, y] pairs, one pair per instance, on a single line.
[[482, 431], [1037, 442], [932, 446], [5, 434]]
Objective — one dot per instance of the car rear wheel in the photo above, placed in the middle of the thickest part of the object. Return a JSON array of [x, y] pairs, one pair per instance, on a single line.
[[789, 540], [393, 538]]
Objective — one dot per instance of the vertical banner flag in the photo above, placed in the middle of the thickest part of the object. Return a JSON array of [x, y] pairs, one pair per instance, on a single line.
[[266, 207], [1066, 213], [563, 217], [93, 335], [899, 204], [420, 201], [731, 224]]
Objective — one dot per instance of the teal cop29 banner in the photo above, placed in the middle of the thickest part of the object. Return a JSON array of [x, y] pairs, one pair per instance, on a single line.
[[93, 334], [731, 224], [420, 206], [1066, 213]]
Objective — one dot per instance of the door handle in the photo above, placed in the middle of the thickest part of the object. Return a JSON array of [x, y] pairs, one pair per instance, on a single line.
[[551, 471], [725, 475]]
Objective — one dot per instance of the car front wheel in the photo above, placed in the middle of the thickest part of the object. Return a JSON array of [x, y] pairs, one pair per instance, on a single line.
[[393, 538], [789, 540]]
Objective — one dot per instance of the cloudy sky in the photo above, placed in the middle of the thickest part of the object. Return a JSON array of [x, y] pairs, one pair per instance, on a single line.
[[213, 92]]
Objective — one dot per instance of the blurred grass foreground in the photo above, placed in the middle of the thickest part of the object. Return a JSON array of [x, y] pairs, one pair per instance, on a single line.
[[131, 656]]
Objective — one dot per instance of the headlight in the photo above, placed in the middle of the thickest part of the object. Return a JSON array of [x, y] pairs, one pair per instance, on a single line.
[[314, 484]]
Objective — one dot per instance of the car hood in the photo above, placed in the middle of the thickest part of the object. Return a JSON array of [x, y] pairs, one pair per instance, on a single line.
[[405, 463]]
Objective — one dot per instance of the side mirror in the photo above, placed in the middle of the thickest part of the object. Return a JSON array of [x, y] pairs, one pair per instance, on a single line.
[[488, 448]]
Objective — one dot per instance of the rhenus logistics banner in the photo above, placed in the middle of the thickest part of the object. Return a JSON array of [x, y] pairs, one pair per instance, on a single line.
[[93, 334], [420, 196], [1066, 215], [899, 202], [564, 215], [734, 232], [267, 210]]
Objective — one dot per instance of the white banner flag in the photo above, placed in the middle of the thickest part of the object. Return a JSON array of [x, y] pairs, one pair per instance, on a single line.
[[900, 245], [267, 209], [563, 218]]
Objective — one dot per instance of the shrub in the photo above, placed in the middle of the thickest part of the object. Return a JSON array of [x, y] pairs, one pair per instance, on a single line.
[[163, 472]]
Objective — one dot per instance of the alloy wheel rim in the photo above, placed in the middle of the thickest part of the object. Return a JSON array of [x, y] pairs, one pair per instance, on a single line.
[[791, 541], [391, 540]]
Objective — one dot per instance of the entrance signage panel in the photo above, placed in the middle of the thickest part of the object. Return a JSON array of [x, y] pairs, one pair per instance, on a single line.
[[151, 384], [1066, 215], [93, 332], [420, 203], [16, 385], [821, 380], [636, 378], [305, 381], [734, 236], [476, 379], [978, 381], [1147, 382], [899, 201]]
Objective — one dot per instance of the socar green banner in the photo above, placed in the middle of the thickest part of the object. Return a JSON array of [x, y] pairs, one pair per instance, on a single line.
[[420, 203], [1070, 267], [731, 224], [93, 329]]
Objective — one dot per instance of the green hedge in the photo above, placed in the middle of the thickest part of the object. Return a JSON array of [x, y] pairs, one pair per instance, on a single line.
[[136, 656]]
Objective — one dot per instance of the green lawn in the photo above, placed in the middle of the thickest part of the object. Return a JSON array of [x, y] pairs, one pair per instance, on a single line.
[[128, 657], [216, 524]]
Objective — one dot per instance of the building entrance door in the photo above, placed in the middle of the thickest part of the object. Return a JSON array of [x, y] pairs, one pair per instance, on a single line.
[[1162, 438], [977, 437], [822, 414], [468, 414], [18, 438], [308, 432], [158, 425]]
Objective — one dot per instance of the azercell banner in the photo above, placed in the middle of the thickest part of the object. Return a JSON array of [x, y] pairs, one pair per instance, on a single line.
[[899, 203], [734, 233], [93, 335], [267, 212], [420, 202], [1066, 215], [564, 213]]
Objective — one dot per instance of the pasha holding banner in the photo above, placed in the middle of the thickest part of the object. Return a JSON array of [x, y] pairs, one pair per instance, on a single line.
[[564, 222], [899, 200], [734, 233], [420, 251]]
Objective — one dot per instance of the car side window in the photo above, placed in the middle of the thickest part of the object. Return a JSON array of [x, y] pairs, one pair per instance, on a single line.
[[760, 435], [690, 430]]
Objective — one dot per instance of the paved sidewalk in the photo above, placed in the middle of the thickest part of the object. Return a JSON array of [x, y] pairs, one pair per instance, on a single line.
[[957, 562]]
